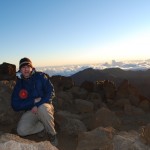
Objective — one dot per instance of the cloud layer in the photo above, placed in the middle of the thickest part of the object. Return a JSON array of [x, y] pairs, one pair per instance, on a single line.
[[71, 69]]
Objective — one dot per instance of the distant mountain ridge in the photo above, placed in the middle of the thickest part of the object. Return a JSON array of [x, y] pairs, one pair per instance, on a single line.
[[140, 78], [91, 74]]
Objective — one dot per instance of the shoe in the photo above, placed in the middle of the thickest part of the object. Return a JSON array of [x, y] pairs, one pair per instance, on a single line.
[[41, 134], [53, 140]]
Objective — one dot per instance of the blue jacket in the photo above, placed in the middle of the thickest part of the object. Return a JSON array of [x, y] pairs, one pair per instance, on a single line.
[[38, 85]]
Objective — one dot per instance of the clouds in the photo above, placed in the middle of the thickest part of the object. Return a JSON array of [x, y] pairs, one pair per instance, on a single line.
[[71, 69]]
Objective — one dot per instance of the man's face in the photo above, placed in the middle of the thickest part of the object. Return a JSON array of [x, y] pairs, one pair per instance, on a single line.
[[26, 71]]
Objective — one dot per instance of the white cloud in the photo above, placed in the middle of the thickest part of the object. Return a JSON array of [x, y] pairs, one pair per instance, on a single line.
[[71, 69]]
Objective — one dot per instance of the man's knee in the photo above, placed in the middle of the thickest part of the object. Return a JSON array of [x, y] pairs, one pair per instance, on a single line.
[[46, 108]]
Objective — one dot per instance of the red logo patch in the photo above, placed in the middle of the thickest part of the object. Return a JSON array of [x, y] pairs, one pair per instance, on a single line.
[[23, 94]]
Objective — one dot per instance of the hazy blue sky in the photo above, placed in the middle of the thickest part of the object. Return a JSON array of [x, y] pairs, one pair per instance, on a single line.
[[60, 32]]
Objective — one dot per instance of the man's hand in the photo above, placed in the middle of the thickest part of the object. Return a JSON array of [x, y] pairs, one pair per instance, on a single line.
[[34, 110], [36, 100]]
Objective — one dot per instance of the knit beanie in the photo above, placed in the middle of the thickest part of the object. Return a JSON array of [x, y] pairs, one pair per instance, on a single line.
[[25, 61]]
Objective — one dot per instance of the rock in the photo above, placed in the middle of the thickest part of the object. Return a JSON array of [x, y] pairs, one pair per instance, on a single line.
[[7, 71], [145, 105], [61, 116], [120, 103], [64, 100], [109, 89], [145, 134], [84, 106], [87, 85], [96, 99], [126, 89], [62, 82], [12, 142], [72, 127], [78, 92], [134, 99], [106, 88], [7, 115], [104, 117], [132, 110], [97, 139], [128, 141]]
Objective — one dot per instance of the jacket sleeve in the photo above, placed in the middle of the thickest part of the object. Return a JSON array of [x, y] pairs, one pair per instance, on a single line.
[[48, 90], [19, 104]]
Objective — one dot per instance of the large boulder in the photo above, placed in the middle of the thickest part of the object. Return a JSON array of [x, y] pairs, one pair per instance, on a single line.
[[106, 88], [14, 142], [96, 99], [87, 85], [83, 106], [127, 90], [61, 116], [99, 138], [145, 134], [105, 117], [109, 89], [72, 127], [7, 115], [7, 71], [62, 82], [128, 141]]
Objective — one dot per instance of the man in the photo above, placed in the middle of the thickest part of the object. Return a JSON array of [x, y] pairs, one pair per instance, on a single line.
[[33, 93]]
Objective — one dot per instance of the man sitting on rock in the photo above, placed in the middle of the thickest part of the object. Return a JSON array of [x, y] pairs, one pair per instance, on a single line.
[[33, 93]]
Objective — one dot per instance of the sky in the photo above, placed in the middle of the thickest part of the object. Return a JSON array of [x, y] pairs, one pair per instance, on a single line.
[[66, 32]]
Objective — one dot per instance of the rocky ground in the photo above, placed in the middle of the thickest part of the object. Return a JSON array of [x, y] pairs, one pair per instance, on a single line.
[[92, 116]]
